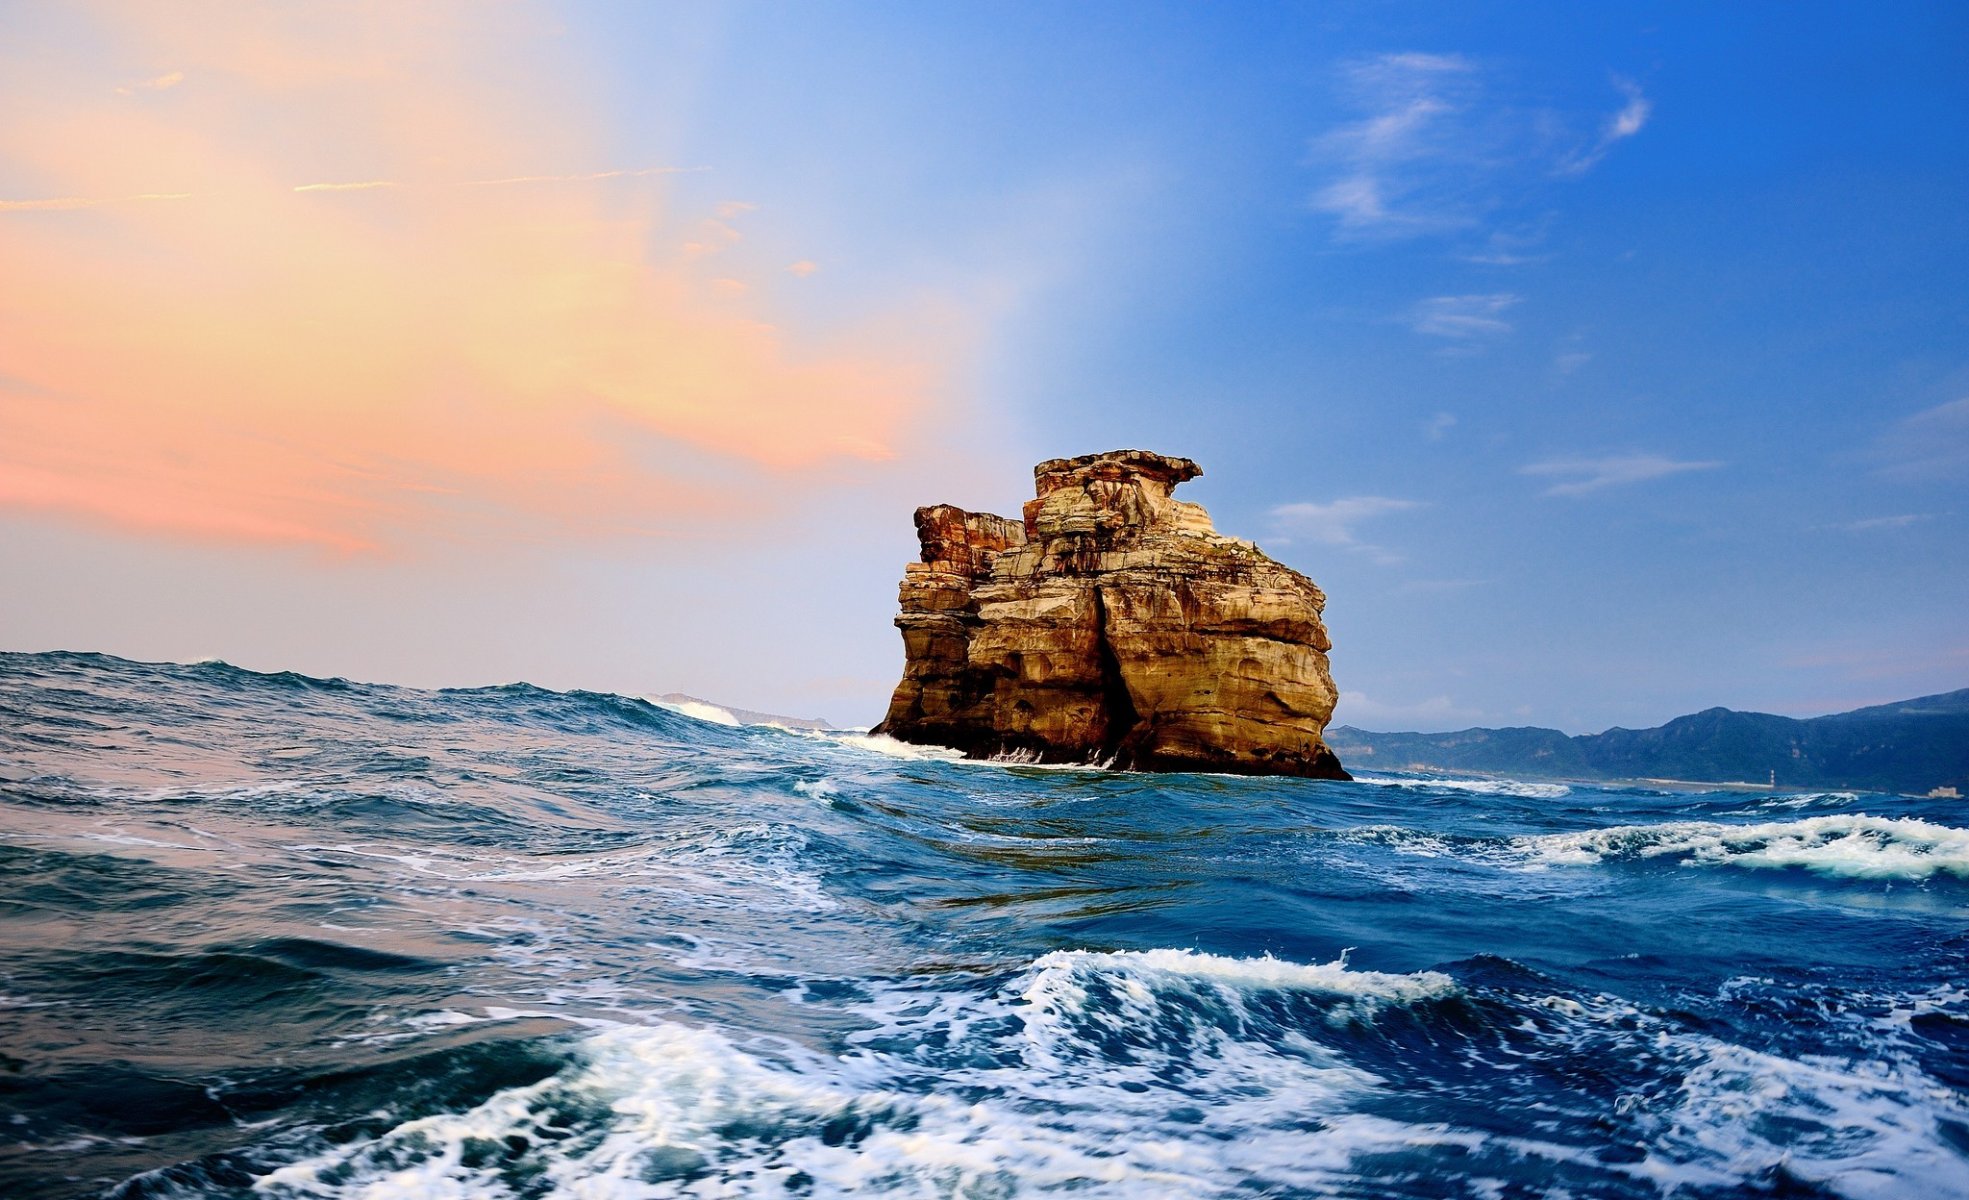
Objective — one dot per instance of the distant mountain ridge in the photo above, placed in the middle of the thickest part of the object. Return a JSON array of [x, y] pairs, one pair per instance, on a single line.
[[1912, 746]]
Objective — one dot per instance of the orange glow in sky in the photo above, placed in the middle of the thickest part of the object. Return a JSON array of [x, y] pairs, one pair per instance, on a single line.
[[349, 282]]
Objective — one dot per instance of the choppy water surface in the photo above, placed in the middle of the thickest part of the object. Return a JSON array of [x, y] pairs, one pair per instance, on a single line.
[[286, 937]]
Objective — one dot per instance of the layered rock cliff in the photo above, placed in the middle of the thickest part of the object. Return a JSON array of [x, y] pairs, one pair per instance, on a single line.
[[1114, 625]]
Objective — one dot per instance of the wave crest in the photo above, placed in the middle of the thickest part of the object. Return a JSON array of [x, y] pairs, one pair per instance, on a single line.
[[1479, 787], [1851, 846]]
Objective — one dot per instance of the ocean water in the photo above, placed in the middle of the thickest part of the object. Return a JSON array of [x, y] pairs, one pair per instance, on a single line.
[[273, 936]]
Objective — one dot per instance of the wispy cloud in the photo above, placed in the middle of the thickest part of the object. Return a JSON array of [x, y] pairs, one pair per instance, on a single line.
[[1439, 146], [1875, 524], [1593, 474], [158, 83], [1332, 524], [1397, 166], [364, 185], [67, 203], [1464, 318], [1437, 428], [1510, 247], [1930, 445], [1622, 125], [1437, 712]]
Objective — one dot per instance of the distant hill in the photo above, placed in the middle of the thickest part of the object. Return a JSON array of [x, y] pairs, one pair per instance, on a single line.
[[1912, 746]]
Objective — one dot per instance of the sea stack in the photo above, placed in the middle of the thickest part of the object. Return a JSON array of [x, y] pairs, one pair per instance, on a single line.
[[1112, 625]]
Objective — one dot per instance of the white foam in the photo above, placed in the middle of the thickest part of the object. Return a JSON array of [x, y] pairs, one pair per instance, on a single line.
[[1795, 803], [1712, 1115], [698, 710], [1027, 1088], [1849, 846], [1867, 1130], [889, 747], [1408, 841], [1030, 758], [724, 868], [1191, 967], [817, 789], [1481, 787], [1812, 800], [1158, 1073]]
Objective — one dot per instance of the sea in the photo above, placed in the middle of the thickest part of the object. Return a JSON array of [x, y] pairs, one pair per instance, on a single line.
[[266, 935]]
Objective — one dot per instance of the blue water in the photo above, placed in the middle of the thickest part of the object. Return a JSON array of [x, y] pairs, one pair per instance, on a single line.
[[277, 936]]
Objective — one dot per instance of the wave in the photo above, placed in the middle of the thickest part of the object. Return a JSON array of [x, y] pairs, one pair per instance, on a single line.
[[1795, 803], [1716, 1113], [1847, 846], [765, 866], [1850, 846], [1480, 787], [1141, 1073], [1156, 1073], [678, 1110], [697, 710], [888, 747], [1161, 969]]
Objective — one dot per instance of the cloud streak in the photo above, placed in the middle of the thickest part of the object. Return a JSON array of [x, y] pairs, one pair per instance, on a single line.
[[1333, 523], [1932, 445], [1438, 147], [1624, 124], [366, 185], [71, 203], [1396, 164], [158, 83], [1874, 524], [1595, 474], [1464, 318], [1435, 713]]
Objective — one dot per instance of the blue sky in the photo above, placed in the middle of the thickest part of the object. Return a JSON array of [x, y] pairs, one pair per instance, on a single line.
[[1602, 362]]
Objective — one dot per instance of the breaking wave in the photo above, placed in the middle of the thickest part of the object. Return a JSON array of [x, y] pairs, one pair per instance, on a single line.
[[1136, 1074], [1852, 846], [1479, 787]]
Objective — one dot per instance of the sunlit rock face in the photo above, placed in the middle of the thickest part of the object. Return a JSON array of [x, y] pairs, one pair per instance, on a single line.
[[1113, 625]]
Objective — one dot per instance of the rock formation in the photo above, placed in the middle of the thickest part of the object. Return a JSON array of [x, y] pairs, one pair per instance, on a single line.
[[1112, 625]]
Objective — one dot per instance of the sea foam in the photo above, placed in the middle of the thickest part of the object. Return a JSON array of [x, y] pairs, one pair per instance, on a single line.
[[698, 710], [1044, 1084], [1851, 846], [1480, 787]]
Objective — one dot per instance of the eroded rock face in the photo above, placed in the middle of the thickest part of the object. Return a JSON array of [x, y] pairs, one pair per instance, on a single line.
[[1113, 625]]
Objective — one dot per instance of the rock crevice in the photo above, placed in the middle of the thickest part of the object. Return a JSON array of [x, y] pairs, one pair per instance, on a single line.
[[1113, 623]]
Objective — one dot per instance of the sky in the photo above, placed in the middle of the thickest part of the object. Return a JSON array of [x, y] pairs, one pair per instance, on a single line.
[[1602, 363]]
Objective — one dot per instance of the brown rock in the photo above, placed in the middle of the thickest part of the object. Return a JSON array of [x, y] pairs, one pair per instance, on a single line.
[[1114, 625]]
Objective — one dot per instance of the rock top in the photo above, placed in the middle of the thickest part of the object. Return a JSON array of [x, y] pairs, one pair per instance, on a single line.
[[1115, 625]]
